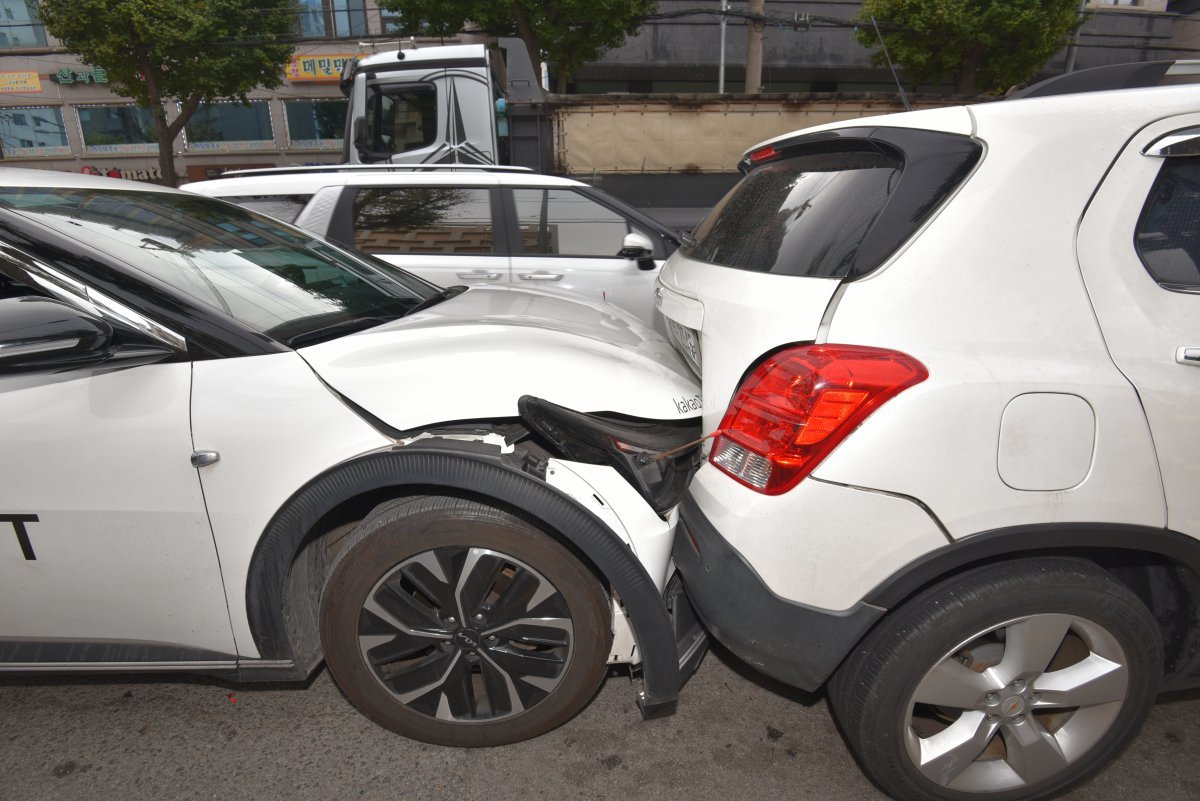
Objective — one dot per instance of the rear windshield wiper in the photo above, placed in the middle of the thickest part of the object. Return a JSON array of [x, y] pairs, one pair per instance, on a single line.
[[433, 300]]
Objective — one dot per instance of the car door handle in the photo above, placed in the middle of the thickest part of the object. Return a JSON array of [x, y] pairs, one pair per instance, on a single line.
[[483, 274], [1188, 355], [541, 275]]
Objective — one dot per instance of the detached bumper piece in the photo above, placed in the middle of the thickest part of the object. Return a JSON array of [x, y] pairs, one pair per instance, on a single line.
[[657, 458], [797, 644]]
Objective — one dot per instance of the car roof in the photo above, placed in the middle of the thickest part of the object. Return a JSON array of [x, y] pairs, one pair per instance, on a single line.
[[56, 179], [1063, 113], [304, 182]]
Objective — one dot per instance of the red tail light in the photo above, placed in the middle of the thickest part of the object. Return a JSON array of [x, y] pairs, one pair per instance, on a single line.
[[799, 404], [763, 154]]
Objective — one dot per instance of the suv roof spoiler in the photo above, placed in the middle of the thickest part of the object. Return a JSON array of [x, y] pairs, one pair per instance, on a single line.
[[1138, 75], [328, 168]]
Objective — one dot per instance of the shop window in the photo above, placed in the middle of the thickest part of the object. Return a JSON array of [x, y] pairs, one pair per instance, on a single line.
[[117, 129], [228, 127], [315, 124], [33, 132]]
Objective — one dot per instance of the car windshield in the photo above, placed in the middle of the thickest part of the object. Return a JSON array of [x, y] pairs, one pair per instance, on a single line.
[[271, 278]]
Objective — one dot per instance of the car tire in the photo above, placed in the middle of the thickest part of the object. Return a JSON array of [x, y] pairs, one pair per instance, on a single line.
[[459, 624], [1010, 681]]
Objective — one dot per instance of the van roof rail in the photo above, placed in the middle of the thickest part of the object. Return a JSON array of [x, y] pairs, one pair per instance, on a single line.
[[334, 168], [1138, 75]]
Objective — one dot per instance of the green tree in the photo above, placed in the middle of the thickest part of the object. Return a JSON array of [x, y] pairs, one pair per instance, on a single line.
[[984, 45], [568, 32], [190, 51]]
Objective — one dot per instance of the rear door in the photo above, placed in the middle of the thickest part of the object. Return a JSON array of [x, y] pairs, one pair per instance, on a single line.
[[1139, 248], [450, 235]]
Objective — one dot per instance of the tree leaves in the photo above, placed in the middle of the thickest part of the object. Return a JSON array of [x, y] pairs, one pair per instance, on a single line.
[[187, 50], [983, 45]]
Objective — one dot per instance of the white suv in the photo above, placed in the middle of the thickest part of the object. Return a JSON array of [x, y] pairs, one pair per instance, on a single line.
[[951, 360], [229, 447], [470, 225]]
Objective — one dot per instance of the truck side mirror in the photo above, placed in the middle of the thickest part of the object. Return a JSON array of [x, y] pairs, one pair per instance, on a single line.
[[359, 136], [638, 246]]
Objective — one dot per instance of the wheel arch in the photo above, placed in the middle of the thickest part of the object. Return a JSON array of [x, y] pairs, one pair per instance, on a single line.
[[282, 589], [1162, 567]]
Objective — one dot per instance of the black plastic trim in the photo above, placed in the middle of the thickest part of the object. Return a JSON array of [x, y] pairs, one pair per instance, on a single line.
[[1033, 540], [458, 467], [797, 644], [104, 651], [1111, 77]]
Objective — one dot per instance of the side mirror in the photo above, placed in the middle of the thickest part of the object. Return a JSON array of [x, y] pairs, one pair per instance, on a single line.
[[638, 246], [39, 333], [359, 135]]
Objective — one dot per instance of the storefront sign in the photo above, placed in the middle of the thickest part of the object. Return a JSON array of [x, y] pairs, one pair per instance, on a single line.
[[67, 75], [151, 174], [325, 69], [15, 82]]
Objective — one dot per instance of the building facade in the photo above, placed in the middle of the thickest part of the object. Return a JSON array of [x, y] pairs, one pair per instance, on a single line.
[[58, 113]]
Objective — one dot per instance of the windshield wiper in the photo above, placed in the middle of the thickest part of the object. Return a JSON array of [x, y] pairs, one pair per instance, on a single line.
[[433, 300], [336, 330]]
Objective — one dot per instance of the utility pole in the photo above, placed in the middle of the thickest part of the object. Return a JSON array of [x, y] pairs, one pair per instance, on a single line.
[[754, 48], [1070, 67], [721, 70]]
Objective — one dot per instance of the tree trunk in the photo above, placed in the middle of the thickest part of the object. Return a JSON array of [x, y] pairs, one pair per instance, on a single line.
[[968, 69], [754, 49], [166, 139]]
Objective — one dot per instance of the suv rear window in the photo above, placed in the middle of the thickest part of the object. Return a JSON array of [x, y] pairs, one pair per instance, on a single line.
[[834, 204], [805, 215]]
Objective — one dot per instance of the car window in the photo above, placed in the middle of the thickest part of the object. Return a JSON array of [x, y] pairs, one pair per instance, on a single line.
[[805, 215], [400, 119], [424, 220], [267, 276], [1168, 233], [562, 222], [281, 207]]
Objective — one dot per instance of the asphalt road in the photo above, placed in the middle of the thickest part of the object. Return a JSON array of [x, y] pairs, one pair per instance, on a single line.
[[735, 738]]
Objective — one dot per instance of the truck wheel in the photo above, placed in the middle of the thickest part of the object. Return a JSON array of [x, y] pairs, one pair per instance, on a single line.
[[1010, 681], [455, 623]]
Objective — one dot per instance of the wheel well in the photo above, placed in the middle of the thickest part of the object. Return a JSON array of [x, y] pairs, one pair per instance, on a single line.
[[320, 546], [1168, 587]]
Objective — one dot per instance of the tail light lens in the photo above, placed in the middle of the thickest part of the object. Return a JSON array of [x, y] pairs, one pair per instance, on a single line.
[[799, 404]]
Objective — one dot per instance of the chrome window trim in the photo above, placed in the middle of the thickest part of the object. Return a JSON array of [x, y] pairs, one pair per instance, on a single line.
[[1179, 143], [67, 289]]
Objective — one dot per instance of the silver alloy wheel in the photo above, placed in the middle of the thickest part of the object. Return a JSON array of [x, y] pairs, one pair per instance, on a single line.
[[1016, 704], [466, 634]]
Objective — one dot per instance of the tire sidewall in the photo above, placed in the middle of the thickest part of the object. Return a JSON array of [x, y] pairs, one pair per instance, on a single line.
[[388, 539], [934, 624]]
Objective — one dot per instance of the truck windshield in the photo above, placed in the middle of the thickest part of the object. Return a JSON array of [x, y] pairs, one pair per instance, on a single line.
[[268, 276], [400, 118]]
